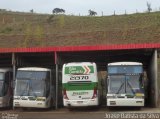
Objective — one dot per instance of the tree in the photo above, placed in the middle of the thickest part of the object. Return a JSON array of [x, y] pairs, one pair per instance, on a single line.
[[58, 10], [92, 13], [149, 9], [50, 18], [31, 11]]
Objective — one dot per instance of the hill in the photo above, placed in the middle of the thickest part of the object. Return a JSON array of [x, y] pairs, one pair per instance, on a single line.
[[40, 30]]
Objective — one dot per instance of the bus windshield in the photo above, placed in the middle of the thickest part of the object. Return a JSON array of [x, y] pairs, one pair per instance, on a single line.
[[1, 76], [124, 69], [39, 75], [124, 84], [32, 83], [1, 84], [116, 84], [30, 88], [1, 88], [134, 83]]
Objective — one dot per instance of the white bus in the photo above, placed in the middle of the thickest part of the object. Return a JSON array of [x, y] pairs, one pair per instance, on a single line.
[[33, 88], [6, 87], [80, 84], [125, 84]]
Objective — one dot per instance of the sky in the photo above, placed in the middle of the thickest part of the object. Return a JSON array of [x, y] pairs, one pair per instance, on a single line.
[[76, 7]]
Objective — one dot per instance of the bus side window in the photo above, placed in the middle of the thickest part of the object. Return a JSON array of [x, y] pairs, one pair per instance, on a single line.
[[6, 83], [11, 75], [11, 79], [47, 84], [107, 83]]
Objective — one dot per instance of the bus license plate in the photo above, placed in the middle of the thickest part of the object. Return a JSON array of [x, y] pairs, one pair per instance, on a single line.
[[79, 102]]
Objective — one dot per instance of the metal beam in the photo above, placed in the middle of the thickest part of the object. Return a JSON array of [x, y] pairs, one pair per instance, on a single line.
[[14, 66], [56, 63], [153, 86], [156, 78], [14, 71]]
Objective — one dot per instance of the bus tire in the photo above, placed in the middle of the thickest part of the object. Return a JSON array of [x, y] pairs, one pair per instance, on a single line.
[[10, 105], [51, 104]]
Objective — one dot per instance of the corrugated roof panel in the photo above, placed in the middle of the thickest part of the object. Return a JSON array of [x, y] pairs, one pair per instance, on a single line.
[[79, 48]]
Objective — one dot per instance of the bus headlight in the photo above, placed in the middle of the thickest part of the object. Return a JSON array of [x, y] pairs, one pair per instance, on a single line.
[[41, 99], [139, 95], [111, 96], [16, 98]]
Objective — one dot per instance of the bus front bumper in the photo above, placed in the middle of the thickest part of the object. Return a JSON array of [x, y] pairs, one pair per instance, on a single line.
[[4, 101], [28, 103], [125, 102], [80, 103]]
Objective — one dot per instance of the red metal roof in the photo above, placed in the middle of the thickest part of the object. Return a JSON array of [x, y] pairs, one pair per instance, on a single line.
[[80, 48]]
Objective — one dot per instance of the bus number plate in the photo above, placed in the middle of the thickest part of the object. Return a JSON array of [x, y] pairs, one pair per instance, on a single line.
[[79, 77], [79, 102]]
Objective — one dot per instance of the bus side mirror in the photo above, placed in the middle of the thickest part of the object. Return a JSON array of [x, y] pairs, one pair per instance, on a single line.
[[107, 81]]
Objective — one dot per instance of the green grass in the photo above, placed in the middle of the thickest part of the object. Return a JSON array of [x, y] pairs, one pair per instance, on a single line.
[[24, 29]]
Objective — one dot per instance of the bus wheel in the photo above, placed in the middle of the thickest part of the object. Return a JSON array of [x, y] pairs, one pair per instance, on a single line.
[[18, 109], [51, 103], [110, 108], [70, 108], [138, 108], [10, 104]]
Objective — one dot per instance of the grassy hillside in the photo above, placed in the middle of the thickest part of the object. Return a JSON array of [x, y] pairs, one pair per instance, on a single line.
[[29, 30]]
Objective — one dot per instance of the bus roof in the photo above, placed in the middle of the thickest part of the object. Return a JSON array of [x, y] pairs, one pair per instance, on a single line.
[[124, 63], [34, 69], [5, 69], [79, 63]]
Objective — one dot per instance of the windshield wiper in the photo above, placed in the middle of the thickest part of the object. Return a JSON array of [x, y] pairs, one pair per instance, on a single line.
[[130, 87], [25, 91], [23, 78], [31, 91], [28, 89], [120, 88]]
